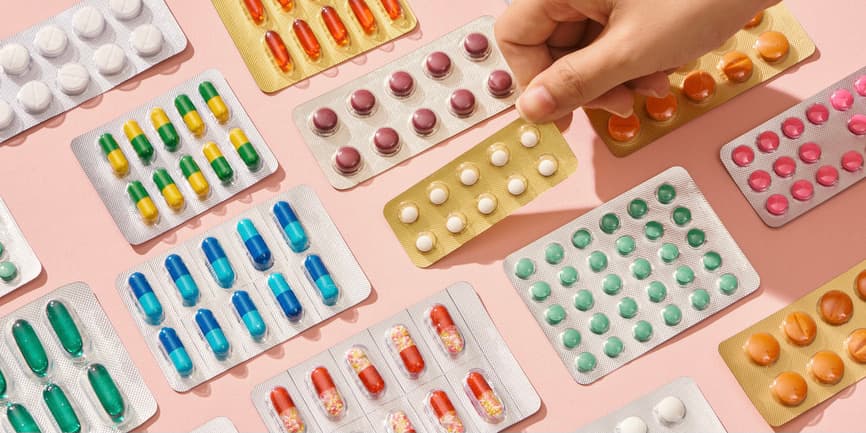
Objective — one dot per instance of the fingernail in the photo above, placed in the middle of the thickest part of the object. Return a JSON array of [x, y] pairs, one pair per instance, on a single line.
[[625, 112], [536, 103]]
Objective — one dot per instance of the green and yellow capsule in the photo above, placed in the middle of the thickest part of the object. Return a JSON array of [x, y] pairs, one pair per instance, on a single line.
[[114, 154], [170, 192], [65, 328], [245, 149], [194, 177], [214, 101], [190, 115], [30, 347], [165, 129], [61, 409], [20, 419], [106, 392], [218, 161], [146, 208], [140, 143]]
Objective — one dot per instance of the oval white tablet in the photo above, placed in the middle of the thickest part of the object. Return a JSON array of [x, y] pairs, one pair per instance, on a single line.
[[88, 22], [499, 157], [34, 96], [670, 410], [73, 78], [469, 176], [109, 59], [425, 242], [455, 224], [486, 205], [6, 115], [125, 9], [547, 167], [146, 39], [51, 41], [15, 59], [516, 186], [409, 214], [529, 138], [438, 195], [631, 424]]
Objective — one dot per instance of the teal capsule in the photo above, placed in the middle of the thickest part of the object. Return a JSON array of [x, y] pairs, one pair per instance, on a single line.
[[183, 281], [65, 328], [106, 391], [20, 419], [176, 352], [218, 263], [213, 333], [4, 386], [30, 347], [249, 314], [146, 299], [61, 409], [319, 275]]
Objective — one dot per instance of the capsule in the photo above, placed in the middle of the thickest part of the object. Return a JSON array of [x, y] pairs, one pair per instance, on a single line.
[[30, 347], [173, 347], [287, 5], [245, 149], [218, 162], [194, 176], [116, 159], [404, 345], [449, 335], [183, 280], [367, 373], [214, 101], [106, 391], [285, 408], [285, 296], [399, 422], [190, 115], [61, 409], [335, 26], [249, 314], [257, 249], [213, 333], [146, 208], [140, 143], [484, 398], [307, 39], [329, 397], [218, 263], [256, 10], [173, 198], [445, 413], [364, 15], [279, 52], [318, 274], [393, 8], [4, 386], [20, 419], [146, 299], [65, 328], [166, 130], [293, 232]]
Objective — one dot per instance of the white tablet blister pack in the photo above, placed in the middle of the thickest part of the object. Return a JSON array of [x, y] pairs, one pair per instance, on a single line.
[[18, 263], [217, 425], [439, 366], [83, 52]]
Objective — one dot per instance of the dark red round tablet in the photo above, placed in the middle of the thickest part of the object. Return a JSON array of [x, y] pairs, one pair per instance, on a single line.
[[387, 141], [477, 46], [462, 102], [500, 84], [347, 160], [401, 84], [362, 102], [325, 121], [424, 121], [438, 64]]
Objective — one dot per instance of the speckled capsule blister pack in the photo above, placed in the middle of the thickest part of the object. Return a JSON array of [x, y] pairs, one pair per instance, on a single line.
[[217, 425], [344, 142], [325, 241], [631, 274], [824, 329], [804, 156], [14, 249], [404, 397], [80, 50], [742, 56], [677, 407], [101, 345], [113, 189]]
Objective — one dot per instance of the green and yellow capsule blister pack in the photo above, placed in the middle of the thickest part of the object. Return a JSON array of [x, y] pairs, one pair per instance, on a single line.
[[478, 189], [770, 43], [286, 41]]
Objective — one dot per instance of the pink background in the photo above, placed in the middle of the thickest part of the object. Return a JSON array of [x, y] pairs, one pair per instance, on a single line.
[[76, 239]]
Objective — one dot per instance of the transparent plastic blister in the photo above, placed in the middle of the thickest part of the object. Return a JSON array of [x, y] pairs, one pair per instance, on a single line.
[[404, 400], [188, 186], [18, 262], [217, 425], [631, 274], [275, 292], [51, 67]]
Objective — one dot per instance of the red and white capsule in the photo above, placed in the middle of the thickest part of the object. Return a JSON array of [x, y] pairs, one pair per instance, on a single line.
[[329, 397], [367, 373], [403, 344], [449, 335], [398, 422], [487, 403], [285, 408], [446, 416]]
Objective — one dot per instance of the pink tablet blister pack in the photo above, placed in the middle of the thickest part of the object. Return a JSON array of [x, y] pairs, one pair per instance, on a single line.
[[805, 155]]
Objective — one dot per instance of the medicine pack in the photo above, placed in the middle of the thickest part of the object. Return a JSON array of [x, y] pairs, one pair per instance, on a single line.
[[631, 274], [769, 44], [478, 189], [286, 41], [439, 366], [82, 52], [805, 353], [678, 407], [18, 263], [242, 288], [371, 124], [804, 156], [217, 425], [174, 157], [64, 368]]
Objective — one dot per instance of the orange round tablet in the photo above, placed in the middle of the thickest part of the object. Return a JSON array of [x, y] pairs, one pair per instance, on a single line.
[[856, 344], [661, 109], [755, 21], [762, 348], [826, 367], [800, 328], [699, 86], [860, 284], [772, 46], [789, 388], [835, 307], [623, 128], [736, 66]]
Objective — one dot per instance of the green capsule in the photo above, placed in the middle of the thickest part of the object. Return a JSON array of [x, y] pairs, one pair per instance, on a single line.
[[245, 149], [30, 347], [3, 385], [106, 391], [165, 129], [21, 420], [140, 143], [61, 409], [65, 328], [218, 162]]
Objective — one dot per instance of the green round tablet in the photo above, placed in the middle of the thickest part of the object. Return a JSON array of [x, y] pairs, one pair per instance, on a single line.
[[581, 239], [8, 271], [696, 237], [570, 338], [637, 208], [613, 347], [681, 216], [583, 300], [669, 252], [539, 291], [625, 245], [627, 308], [524, 268], [656, 291], [554, 253], [568, 276], [641, 269], [666, 193], [700, 299], [585, 362], [611, 284], [672, 315], [599, 323], [712, 261], [597, 261], [654, 230], [728, 284], [554, 314], [642, 331], [684, 275], [609, 223]]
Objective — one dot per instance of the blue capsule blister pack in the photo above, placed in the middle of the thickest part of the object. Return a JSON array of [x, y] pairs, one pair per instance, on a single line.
[[242, 288]]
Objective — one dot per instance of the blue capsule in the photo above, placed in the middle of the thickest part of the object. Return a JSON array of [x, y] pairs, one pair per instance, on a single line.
[[292, 230], [173, 347], [218, 263], [318, 274], [148, 303], [183, 281], [285, 296], [249, 314], [257, 249], [213, 333]]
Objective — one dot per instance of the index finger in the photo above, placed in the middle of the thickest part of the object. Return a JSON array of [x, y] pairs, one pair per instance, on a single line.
[[522, 32]]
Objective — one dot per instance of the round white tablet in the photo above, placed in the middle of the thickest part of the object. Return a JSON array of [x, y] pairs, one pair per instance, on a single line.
[[631, 424], [6, 115], [529, 138], [125, 9], [88, 22], [409, 214], [499, 157], [146, 39], [516, 186], [468, 176], [547, 167], [110, 59], [486, 205], [34, 96], [425, 242], [15, 59], [455, 223], [51, 41], [438, 195], [670, 410], [73, 78]]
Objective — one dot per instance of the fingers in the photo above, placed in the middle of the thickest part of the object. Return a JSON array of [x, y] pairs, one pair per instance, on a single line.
[[619, 101], [657, 85], [522, 32]]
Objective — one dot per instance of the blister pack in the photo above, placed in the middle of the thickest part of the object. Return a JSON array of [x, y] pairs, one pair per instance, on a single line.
[[678, 407], [805, 353], [217, 425], [243, 287], [82, 52], [478, 189], [630, 274], [181, 163], [286, 41], [377, 121], [439, 366], [804, 156], [770, 43], [18, 263], [65, 369]]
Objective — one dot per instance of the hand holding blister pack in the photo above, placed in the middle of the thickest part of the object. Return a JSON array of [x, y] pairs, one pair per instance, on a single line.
[[217, 425], [243, 287], [18, 263]]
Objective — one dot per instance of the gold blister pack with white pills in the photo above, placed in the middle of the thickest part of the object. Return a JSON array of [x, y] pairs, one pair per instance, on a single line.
[[286, 41], [819, 352], [18, 263], [478, 189], [711, 80]]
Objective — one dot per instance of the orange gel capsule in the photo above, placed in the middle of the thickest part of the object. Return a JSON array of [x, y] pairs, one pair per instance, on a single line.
[[364, 15], [335, 26], [287, 5], [393, 8], [308, 39], [256, 10], [278, 50]]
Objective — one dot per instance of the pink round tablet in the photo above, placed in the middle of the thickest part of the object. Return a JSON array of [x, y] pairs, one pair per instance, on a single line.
[[827, 176], [776, 204], [809, 152], [401, 84], [347, 160], [852, 161], [500, 84], [424, 121], [477, 46], [802, 190], [842, 100], [324, 121], [767, 141], [387, 141], [462, 103], [818, 114], [860, 85], [743, 155], [362, 102], [759, 181], [857, 124], [785, 166], [793, 127], [438, 64]]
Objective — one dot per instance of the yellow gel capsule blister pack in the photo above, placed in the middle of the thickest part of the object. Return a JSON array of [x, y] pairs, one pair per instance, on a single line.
[[770, 43], [478, 189]]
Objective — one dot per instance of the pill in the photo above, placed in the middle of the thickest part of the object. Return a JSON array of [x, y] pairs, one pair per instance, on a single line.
[[213, 333], [256, 10], [15, 59], [140, 143], [424, 122], [670, 411], [438, 193], [292, 229], [776, 204], [446, 416], [308, 40], [402, 343], [335, 26], [183, 281], [809, 152], [817, 114], [661, 109], [499, 155], [762, 348], [286, 410], [852, 161], [827, 176], [329, 397], [30, 347], [401, 84], [166, 130], [20, 419], [444, 326], [218, 162], [125, 9], [324, 121], [285, 297], [631, 424], [218, 263], [88, 22], [699, 86], [249, 314], [51, 41], [65, 328], [73, 78], [785, 166], [476, 46], [826, 367], [767, 141], [145, 298], [425, 242], [367, 373], [347, 160], [540, 291], [468, 174], [114, 154], [859, 282], [408, 213], [547, 165], [364, 16], [109, 59], [214, 101], [398, 422], [455, 223], [146, 208], [857, 124], [194, 176], [842, 100], [34, 97], [856, 345], [755, 21], [529, 137], [257, 249], [802, 190], [623, 128], [61, 409], [362, 102], [835, 307], [793, 128], [279, 51], [190, 115], [6, 115], [462, 103], [759, 181], [438, 65], [175, 351], [484, 398], [486, 204], [789, 388], [147, 40], [736, 66], [585, 362], [393, 8], [319, 275], [106, 391], [8, 271], [772, 46], [500, 84], [516, 185], [386, 141]]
